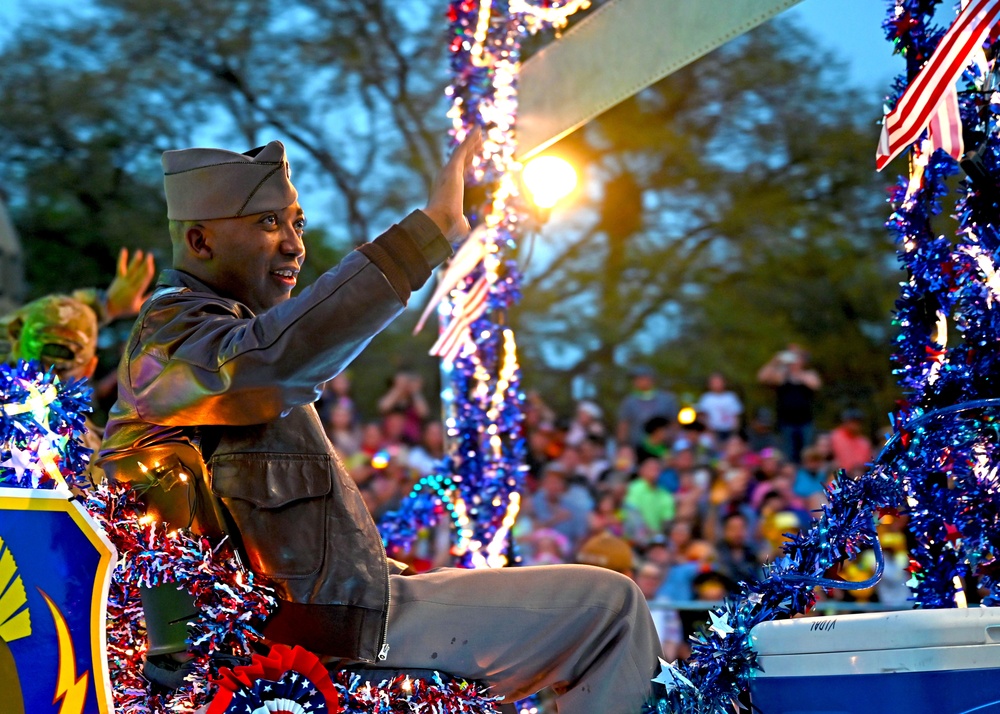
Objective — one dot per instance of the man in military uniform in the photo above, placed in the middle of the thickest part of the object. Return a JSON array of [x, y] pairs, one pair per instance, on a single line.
[[218, 382]]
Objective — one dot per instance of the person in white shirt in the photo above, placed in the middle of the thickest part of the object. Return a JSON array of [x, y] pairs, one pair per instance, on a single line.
[[720, 408]]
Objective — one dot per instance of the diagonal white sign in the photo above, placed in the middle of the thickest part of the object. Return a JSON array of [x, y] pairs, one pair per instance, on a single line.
[[619, 49]]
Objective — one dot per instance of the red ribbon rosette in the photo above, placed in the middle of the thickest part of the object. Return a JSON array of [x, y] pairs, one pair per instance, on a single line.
[[289, 680]]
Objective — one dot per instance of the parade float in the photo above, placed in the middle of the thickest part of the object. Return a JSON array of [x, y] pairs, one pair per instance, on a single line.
[[73, 556]]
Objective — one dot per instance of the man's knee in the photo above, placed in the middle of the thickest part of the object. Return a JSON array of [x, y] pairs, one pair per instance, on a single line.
[[609, 588]]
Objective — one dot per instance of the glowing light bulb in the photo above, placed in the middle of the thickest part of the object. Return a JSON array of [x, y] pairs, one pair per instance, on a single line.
[[381, 459], [687, 415], [548, 179]]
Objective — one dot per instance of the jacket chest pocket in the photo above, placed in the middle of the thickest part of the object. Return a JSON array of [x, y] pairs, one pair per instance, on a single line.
[[279, 504]]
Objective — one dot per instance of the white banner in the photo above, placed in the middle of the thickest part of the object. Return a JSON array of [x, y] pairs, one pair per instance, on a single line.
[[621, 48]]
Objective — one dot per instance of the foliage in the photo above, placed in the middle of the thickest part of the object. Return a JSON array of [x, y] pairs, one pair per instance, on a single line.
[[93, 96], [736, 207], [739, 210]]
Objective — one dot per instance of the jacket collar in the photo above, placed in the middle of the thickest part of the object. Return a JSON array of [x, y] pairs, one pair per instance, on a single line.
[[173, 278]]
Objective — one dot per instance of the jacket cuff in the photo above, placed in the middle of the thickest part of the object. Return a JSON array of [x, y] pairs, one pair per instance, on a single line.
[[390, 268], [428, 237], [408, 252]]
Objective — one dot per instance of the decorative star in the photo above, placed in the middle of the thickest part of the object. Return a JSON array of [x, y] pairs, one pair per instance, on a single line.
[[952, 534], [720, 624], [670, 676], [20, 461], [913, 582]]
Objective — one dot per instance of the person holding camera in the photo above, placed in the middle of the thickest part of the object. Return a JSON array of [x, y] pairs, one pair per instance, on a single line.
[[795, 385], [406, 396]]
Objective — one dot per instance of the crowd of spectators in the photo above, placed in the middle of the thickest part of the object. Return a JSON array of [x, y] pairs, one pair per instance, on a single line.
[[689, 505]]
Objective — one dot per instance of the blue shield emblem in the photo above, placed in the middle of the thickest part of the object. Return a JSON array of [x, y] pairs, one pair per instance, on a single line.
[[55, 570]]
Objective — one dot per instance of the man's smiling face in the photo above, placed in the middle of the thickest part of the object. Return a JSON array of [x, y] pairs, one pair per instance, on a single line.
[[256, 259]]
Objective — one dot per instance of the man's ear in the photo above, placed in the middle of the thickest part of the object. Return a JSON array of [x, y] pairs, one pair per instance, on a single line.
[[198, 242]]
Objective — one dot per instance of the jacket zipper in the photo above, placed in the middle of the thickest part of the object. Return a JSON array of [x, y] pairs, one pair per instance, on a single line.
[[383, 652]]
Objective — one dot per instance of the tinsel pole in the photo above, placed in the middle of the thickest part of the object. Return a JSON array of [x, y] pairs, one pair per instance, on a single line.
[[927, 298], [481, 477], [946, 354], [486, 458], [940, 466]]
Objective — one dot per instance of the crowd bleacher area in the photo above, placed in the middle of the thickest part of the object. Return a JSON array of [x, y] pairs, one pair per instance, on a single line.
[[686, 510]]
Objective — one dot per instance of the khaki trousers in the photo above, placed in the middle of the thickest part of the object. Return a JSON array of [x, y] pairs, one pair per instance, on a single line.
[[584, 631]]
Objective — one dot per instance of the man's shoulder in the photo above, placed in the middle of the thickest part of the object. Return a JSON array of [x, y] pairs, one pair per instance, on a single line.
[[175, 293], [177, 284], [172, 312]]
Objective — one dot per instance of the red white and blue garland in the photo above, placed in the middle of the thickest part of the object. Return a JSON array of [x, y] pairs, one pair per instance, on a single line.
[[229, 600], [941, 465], [42, 421], [293, 680]]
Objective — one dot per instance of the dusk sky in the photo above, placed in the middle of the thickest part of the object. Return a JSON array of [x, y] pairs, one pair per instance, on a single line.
[[852, 28]]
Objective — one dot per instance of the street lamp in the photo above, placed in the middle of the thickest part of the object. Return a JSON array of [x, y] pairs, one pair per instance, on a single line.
[[548, 180]]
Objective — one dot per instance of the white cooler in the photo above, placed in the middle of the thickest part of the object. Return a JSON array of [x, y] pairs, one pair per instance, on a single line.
[[912, 662]]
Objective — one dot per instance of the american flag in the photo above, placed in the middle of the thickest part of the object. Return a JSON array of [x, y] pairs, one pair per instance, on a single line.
[[469, 255], [468, 308], [921, 103], [945, 130]]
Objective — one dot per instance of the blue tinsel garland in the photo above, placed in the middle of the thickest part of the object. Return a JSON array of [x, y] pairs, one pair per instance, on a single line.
[[940, 467], [42, 421]]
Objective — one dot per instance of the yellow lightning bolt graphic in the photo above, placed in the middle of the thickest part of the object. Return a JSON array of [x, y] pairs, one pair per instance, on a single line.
[[71, 690], [13, 624]]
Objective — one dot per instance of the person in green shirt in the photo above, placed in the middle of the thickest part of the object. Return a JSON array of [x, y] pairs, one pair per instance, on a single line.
[[654, 504]]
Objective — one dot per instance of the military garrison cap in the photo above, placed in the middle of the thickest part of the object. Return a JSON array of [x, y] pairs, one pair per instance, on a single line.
[[202, 184]]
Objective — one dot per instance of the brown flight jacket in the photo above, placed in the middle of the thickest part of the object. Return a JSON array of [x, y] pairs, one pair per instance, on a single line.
[[203, 376]]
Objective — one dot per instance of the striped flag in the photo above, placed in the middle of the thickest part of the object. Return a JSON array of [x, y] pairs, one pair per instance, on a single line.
[[465, 260], [468, 308], [945, 130], [919, 104]]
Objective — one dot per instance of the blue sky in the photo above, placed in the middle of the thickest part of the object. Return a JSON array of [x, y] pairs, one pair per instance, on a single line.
[[851, 28]]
